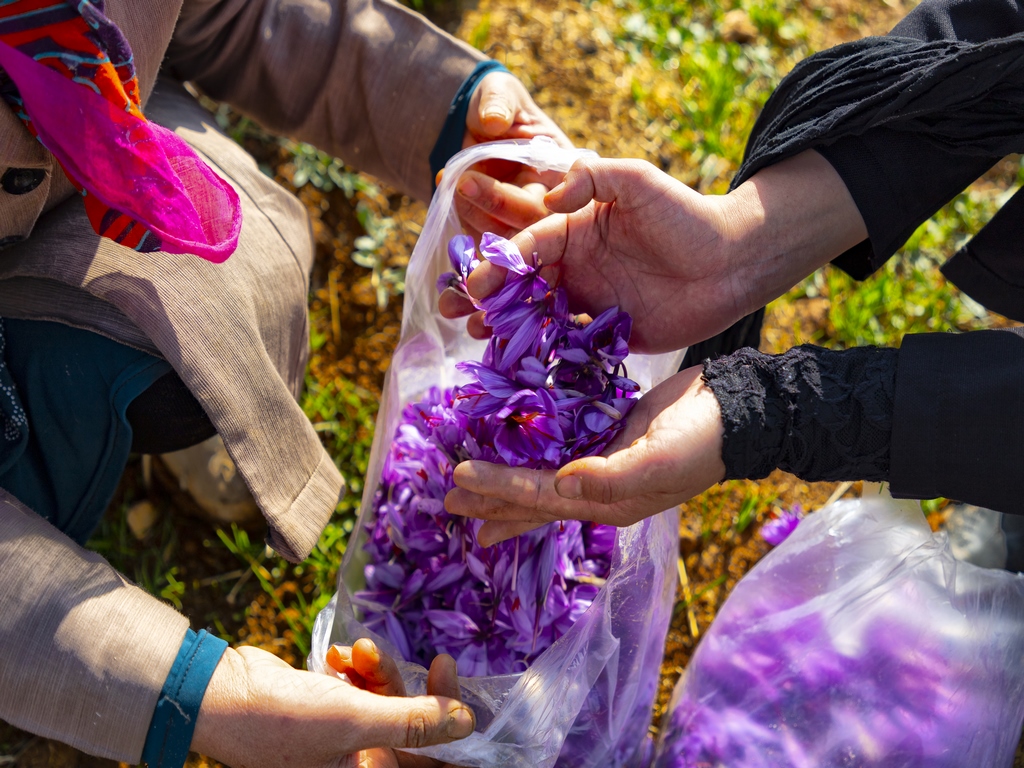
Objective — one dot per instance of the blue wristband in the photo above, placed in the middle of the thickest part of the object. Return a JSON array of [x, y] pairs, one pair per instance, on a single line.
[[174, 720], [449, 142]]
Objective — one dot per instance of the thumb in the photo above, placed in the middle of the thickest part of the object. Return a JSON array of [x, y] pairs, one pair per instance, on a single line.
[[627, 182], [418, 721], [496, 108], [623, 475]]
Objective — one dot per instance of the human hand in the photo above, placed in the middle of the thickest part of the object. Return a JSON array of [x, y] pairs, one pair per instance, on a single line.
[[260, 711], [634, 238], [500, 196], [370, 669], [685, 266], [669, 451]]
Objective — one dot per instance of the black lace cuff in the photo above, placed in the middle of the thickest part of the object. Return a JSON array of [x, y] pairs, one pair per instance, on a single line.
[[816, 413]]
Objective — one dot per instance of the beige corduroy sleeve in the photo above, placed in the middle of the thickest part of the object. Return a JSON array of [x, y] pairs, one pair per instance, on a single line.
[[83, 652], [367, 80]]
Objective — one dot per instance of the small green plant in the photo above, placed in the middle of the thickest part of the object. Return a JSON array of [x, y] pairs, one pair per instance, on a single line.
[[147, 562], [326, 173], [749, 508], [343, 414], [370, 254]]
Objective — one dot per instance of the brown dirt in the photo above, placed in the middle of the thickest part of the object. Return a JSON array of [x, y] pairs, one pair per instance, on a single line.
[[565, 54]]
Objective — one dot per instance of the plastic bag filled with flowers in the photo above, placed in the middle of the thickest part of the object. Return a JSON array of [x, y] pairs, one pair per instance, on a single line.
[[858, 641], [558, 634]]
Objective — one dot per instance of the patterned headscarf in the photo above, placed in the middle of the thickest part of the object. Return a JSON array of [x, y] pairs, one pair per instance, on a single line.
[[72, 83]]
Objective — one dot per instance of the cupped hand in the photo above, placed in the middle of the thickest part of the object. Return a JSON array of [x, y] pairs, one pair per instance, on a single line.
[[260, 711], [500, 196], [669, 451]]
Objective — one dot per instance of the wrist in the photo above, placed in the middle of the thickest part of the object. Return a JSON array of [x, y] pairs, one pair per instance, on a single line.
[[711, 427], [786, 221], [227, 687]]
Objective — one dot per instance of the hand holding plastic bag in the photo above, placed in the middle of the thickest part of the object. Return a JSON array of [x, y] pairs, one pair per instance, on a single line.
[[859, 641], [586, 699]]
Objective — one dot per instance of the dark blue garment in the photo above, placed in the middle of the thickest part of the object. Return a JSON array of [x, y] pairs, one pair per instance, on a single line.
[[174, 721], [65, 438]]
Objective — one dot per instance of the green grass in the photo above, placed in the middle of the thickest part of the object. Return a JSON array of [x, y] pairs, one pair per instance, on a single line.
[[908, 294], [149, 563]]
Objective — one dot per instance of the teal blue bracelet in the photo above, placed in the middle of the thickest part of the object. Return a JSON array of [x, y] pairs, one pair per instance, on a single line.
[[174, 720], [449, 142]]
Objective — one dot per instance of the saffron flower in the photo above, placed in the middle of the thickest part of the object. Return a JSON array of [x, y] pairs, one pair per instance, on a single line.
[[462, 255], [782, 523], [548, 390]]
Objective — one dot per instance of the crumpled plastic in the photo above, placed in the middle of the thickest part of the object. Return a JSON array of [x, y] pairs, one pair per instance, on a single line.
[[586, 700], [859, 641]]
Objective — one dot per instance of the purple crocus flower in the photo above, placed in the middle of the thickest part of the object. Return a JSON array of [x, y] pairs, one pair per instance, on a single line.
[[462, 255], [528, 431], [504, 253], [547, 390], [777, 529]]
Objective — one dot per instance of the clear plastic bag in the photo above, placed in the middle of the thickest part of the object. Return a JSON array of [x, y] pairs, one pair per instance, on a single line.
[[586, 700], [859, 641]]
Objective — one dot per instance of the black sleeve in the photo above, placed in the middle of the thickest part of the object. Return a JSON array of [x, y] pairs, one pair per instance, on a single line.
[[817, 413], [943, 416], [959, 426], [899, 179]]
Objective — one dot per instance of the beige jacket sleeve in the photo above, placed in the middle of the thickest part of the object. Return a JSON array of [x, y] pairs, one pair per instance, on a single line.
[[84, 651], [366, 80]]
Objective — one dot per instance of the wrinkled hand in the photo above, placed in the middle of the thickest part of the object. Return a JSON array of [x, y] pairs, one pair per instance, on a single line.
[[260, 711], [638, 239], [683, 265], [500, 196], [370, 669], [669, 451]]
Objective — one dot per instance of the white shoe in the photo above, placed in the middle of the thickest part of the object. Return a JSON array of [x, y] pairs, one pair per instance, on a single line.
[[210, 477], [976, 535]]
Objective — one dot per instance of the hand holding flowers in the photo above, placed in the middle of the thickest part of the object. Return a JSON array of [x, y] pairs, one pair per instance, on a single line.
[[548, 389], [256, 704], [669, 451], [684, 266]]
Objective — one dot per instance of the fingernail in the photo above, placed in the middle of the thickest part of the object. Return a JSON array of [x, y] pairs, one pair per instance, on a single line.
[[460, 723], [468, 188], [498, 113], [339, 657], [374, 651], [569, 487]]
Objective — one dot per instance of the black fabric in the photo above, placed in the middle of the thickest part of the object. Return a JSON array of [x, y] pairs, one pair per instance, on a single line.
[[990, 268], [960, 427], [961, 97], [898, 117], [899, 179], [167, 417], [817, 413], [898, 182]]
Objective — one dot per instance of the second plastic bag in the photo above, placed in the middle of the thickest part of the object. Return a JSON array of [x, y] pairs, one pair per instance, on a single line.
[[859, 641], [585, 700]]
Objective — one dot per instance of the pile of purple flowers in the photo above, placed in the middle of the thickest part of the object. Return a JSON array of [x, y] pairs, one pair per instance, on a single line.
[[548, 390], [784, 693]]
